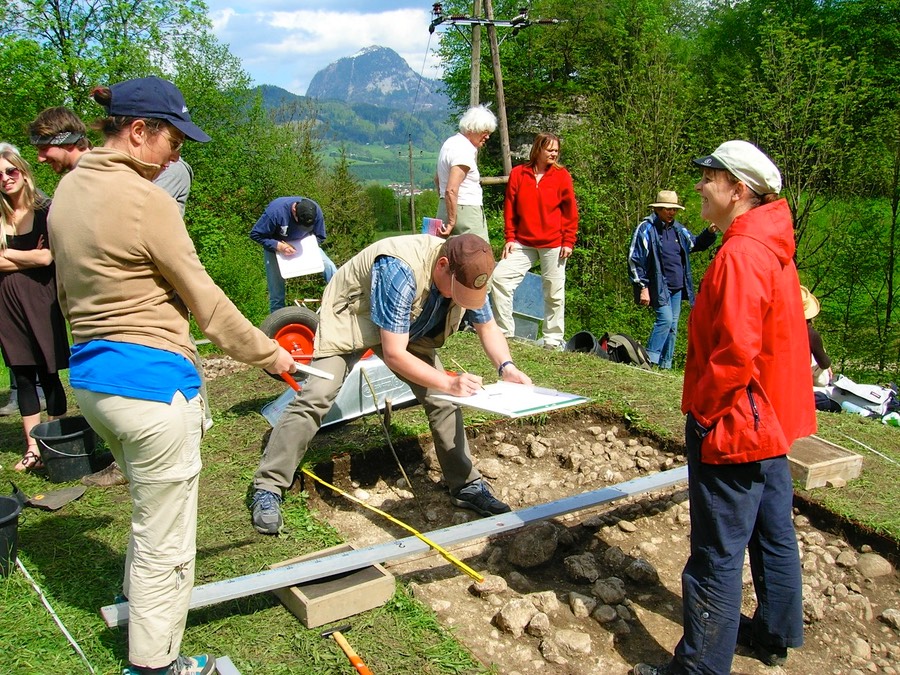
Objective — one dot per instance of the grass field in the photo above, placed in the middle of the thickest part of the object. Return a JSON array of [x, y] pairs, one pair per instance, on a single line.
[[76, 555], [384, 164]]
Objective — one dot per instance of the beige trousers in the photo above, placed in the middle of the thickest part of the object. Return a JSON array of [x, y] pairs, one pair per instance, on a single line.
[[469, 219], [301, 420], [157, 446], [509, 274]]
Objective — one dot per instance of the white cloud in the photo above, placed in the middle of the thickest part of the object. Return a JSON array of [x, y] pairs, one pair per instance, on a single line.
[[286, 48]]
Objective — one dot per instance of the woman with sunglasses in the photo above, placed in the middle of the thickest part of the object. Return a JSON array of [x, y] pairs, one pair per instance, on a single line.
[[128, 274], [32, 330]]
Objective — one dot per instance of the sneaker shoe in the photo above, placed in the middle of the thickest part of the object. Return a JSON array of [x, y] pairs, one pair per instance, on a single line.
[[205, 664], [478, 497], [646, 669], [111, 475], [266, 512], [771, 656]]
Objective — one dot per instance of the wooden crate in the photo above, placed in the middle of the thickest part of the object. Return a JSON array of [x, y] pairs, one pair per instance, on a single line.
[[334, 598], [816, 462]]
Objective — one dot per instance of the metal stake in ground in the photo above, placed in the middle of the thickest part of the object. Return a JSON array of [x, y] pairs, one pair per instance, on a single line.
[[357, 662], [387, 436]]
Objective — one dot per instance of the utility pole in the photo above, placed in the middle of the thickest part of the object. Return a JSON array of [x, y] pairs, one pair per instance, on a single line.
[[412, 189], [475, 67], [517, 23], [498, 83]]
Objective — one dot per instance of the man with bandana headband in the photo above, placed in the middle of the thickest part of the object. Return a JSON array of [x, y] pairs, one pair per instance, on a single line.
[[60, 138]]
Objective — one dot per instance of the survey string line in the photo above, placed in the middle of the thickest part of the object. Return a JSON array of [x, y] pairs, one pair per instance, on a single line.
[[449, 557]]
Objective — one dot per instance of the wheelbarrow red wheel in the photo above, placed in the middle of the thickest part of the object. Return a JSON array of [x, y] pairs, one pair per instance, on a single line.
[[294, 328]]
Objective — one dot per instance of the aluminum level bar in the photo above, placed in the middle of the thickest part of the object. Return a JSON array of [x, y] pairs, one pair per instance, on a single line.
[[349, 561]]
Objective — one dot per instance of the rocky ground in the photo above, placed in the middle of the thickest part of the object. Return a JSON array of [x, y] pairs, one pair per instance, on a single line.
[[598, 590]]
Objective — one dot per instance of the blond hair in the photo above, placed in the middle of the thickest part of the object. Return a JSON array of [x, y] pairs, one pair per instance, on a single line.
[[31, 198]]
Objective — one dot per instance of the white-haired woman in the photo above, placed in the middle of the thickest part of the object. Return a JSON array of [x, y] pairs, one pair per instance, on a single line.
[[32, 332], [457, 179]]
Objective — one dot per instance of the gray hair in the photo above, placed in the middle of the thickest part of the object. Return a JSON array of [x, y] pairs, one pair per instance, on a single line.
[[478, 120]]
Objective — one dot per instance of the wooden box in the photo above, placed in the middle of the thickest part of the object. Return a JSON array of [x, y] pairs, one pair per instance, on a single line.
[[334, 598], [816, 462]]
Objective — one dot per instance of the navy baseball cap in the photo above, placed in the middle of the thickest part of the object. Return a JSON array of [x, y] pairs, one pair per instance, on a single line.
[[155, 98]]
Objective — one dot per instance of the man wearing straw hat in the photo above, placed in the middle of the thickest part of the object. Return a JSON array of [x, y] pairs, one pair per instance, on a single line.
[[660, 268]]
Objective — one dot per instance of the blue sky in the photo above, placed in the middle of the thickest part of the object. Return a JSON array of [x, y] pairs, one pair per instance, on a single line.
[[286, 42]]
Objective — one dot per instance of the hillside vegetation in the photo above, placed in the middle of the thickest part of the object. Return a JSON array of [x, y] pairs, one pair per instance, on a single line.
[[636, 89]]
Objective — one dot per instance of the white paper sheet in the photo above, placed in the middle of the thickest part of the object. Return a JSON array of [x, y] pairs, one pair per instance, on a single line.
[[306, 260], [516, 400]]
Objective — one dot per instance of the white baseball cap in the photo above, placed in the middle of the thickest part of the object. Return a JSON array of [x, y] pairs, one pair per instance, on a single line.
[[747, 163]]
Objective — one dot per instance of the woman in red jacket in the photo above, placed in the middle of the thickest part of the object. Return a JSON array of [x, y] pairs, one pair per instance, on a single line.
[[541, 220], [747, 397]]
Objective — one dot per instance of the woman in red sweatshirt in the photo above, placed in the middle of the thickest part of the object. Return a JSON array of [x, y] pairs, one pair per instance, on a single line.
[[541, 220]]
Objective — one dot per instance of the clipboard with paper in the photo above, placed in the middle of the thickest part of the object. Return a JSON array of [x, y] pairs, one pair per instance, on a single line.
[[511, 399], [306, 259]]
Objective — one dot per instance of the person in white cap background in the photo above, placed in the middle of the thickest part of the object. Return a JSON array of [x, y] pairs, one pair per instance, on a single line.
[[747, 396], [660, 266], [127, 275]]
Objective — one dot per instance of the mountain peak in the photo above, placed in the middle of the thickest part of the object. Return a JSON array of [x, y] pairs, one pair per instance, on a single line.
[[377, 76], [372, 49]]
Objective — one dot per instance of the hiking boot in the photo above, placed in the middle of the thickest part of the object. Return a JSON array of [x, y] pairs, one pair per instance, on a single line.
[[205, 664], [478, 497], [111, 475], [771, 656], [266, 512], [646, 669]]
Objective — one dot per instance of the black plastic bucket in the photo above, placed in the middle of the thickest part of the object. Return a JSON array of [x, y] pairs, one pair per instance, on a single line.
[[584, 342], [9, 533], [66, 446]]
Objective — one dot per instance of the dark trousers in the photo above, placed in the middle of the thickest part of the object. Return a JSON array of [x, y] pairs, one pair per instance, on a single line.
[[735, 507], [28, 384]]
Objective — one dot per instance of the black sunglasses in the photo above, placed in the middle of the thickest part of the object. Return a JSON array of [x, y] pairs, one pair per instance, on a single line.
[[12, 172]]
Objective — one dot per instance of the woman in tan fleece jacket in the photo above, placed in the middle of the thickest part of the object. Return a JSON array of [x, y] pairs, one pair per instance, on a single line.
[[127, 276]]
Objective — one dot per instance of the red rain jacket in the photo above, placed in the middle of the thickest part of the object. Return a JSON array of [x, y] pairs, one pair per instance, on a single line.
[[747, 373]]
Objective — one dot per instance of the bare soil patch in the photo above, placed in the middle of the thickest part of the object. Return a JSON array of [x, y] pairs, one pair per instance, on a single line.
[[852, 614]]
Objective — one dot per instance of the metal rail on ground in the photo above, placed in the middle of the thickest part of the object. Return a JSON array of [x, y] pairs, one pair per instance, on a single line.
[[349, 561]]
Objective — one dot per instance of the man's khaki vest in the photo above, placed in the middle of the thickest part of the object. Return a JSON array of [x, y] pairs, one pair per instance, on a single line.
[[345, 319]]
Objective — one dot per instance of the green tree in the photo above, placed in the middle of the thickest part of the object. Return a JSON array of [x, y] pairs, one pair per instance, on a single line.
[[98, 41], [348, 213]]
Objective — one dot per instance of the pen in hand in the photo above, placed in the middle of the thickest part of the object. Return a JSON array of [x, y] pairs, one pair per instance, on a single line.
[[460, 368]]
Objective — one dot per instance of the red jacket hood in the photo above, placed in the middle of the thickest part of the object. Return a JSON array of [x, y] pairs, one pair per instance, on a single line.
[[771, 225]]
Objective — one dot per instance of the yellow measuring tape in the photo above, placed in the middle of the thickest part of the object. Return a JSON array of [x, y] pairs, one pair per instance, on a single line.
[[449, 557]]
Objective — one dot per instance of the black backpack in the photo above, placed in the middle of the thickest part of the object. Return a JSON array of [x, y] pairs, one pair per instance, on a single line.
[[623, 348]]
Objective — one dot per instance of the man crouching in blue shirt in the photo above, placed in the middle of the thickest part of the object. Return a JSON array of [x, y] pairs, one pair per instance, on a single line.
[[401, 297]]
